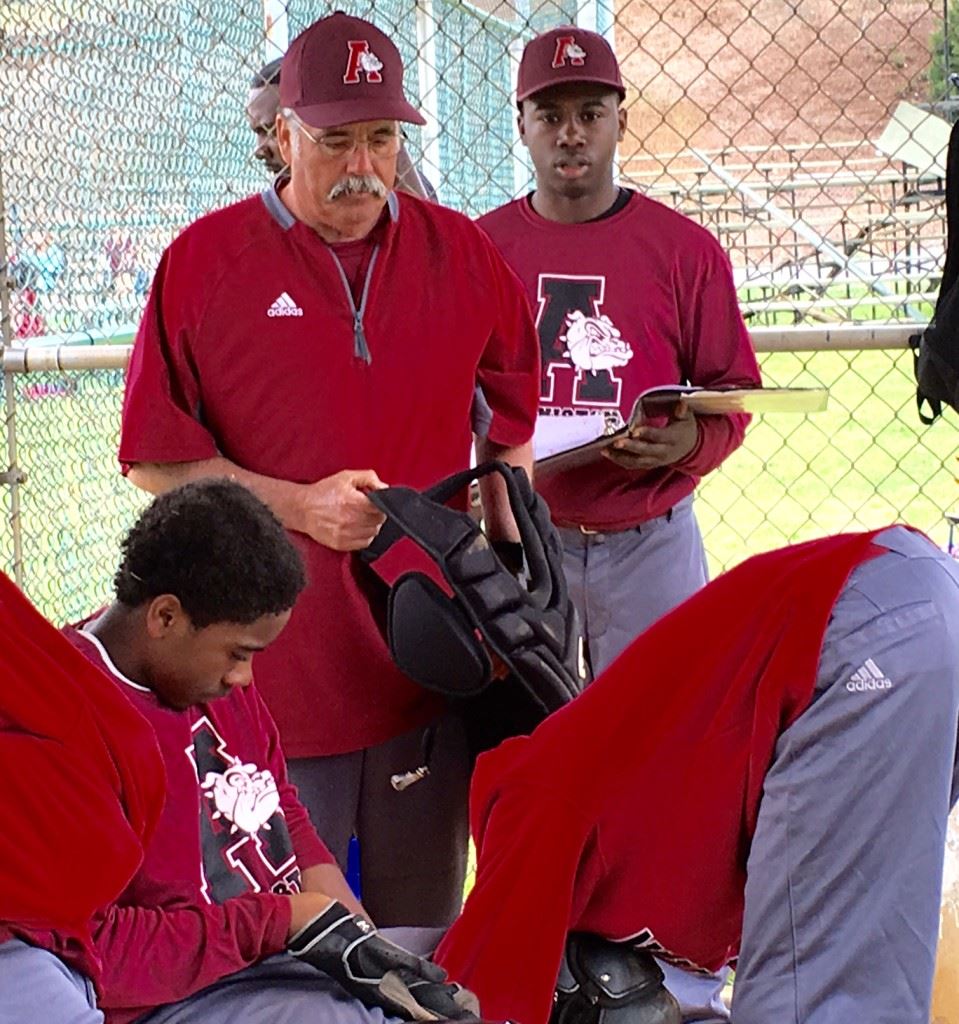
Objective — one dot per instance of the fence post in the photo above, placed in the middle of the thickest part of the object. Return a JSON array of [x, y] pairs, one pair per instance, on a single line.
[[426, 29], [13, 476]]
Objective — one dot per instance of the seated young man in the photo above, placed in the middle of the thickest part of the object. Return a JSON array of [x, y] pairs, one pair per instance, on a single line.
[[82, 791], [765, 774], [238, 912]]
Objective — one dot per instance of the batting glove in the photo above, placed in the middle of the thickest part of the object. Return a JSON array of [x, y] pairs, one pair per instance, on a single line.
[[349, 949]]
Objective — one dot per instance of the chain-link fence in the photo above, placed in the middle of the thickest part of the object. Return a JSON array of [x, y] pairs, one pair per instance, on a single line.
[[809, 135]]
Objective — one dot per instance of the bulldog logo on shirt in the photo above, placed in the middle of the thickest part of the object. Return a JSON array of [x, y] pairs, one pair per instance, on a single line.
[[594, 342], [583, 351], [244, 795]]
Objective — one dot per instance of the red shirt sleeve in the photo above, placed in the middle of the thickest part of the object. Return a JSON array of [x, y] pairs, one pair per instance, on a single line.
[[508, 372], [161, 404], [310, 850], [717, 352], [507, 944], [154, 956]]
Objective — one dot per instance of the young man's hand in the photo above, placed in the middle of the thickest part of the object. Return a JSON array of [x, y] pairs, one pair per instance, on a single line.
[[347, 948], [653, 447]]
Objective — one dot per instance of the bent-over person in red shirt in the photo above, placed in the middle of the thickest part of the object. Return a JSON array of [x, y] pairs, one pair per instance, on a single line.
[[763, 777]]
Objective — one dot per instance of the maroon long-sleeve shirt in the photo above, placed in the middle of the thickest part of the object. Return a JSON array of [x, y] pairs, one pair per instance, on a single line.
[[83, 787]]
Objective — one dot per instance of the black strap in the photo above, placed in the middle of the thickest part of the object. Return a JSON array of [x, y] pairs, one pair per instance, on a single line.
[[922, 399], [950, 271], [410, 513]]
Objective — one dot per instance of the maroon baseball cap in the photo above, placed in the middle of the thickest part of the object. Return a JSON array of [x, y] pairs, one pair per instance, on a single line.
[[343, 69], [567, 54]]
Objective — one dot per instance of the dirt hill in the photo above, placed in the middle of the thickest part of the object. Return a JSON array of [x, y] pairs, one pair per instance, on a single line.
[[769, 71]]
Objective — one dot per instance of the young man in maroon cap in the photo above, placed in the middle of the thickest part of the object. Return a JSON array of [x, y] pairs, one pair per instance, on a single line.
[[315, 342], [629, 295]]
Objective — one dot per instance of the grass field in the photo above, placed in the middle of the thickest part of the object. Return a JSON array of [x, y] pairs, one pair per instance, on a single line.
[[865, 462]]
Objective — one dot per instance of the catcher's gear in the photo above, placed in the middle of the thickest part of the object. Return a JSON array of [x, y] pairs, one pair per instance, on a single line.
[[603, 982], [444, 643], [349, 949]]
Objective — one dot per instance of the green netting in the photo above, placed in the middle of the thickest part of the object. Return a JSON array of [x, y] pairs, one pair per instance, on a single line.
[[474, 107], [127, 125], [124, 122], [544, 14], [74, 505], [863, 463]]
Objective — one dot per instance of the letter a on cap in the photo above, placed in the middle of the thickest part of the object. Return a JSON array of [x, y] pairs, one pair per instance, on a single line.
[[566, 48], [361, 59]]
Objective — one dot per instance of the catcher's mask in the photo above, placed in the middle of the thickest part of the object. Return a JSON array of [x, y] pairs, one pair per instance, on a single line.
[[444, 643]]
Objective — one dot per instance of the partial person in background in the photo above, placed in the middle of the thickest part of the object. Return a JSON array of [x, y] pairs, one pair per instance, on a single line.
[[262, 105], [238, 912], [628, 295], [766, 773], [315, 342], [83, 788], [36, 269]]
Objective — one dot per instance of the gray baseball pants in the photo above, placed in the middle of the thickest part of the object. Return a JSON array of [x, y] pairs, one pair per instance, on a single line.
[[413, 843], [622, 582], [280, 990], [845, 869], [37, 986]]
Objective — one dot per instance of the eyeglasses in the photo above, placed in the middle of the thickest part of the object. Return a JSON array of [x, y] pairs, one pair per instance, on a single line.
[[384, 142]]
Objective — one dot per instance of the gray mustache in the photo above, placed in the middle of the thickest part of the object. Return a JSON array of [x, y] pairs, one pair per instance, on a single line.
[[354, 184]]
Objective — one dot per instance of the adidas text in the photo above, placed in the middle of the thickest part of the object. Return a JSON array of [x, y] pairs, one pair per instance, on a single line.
[[868, 677], [868, 684], [284, 306]]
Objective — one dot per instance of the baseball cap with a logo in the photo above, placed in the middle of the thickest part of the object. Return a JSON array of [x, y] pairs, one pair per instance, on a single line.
[[567, 54], [343, 69]]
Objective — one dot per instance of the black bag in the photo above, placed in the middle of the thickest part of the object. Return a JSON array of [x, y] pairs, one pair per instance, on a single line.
[[936, 350], [604, 982]]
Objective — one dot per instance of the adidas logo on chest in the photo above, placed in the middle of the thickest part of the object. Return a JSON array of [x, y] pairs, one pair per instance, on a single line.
[[284, 306], [869, 676]]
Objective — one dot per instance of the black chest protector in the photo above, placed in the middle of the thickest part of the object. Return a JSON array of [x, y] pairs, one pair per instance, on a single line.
[[444, 643]]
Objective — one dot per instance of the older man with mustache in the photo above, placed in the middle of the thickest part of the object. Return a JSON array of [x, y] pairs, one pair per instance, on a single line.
[[262, 106], [314, 343]]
